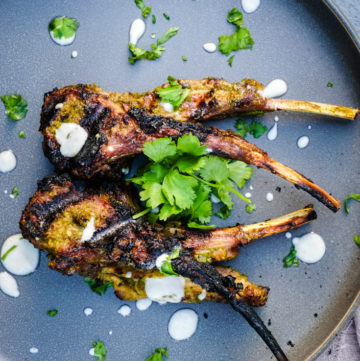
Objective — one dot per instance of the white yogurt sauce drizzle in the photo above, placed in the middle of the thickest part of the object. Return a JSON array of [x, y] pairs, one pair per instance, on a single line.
[[248, 195], [89, 230], [303, 141], [309, 127], [143, 304], [74, 54], [9, 285], [310, 247], [7, 161], [202, 295], [137, 30], [276, 88], [167, 107], [209, 47], [251, 188], [250, 6], [288, 235], [23, 259], [273, 132], [62, 41], [34, 350], [124, 310], [88, 311], [183, 324], [165, 289], [71, 138], [269, 197]]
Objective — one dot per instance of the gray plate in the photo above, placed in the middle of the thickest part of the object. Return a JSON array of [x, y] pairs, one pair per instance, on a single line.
[[300, 41]]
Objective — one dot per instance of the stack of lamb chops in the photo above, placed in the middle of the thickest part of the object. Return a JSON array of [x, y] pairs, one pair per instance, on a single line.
[[117, 126]]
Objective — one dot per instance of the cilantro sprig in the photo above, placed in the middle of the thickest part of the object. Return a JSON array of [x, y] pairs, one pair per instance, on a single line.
[[98, 287], [63, 27], [166, 267], [354, 196], [241, 39], [179, 179], [145, 10], [156, 49], [99, 350], [174, 93], [15, 106], [291, 260], [256, 129], [158, 355]]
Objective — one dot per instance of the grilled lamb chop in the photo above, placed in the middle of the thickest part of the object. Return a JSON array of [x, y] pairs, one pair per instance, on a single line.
[[89, 229], [113, 132]]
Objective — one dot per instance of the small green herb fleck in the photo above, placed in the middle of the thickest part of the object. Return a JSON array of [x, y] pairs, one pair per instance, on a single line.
[[98, 287], [62, 26], [224, 212], [166, 16], [153, 19], [166, 267], [158, 355], [291, 260], [14, 192], [145, 10], [330, 84], [250, 207], [357, 240], [22, 134], [15, 106], [7, 252], [256, 129], [354, 196], [52, 313], [174, 93], [99, 350], [230, 60], [184, 58]]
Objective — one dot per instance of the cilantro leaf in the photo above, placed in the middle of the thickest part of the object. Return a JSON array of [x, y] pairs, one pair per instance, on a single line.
[[357, 240], [230, 60], [354, 196], [22, 134], [239, 172], [63, 27], [190, 144], [7, 252], [98, 287], [250, 207], [168, 35], [214, 169], [257, 129], [99, 350], [152, 194], [52, 313], [166, 267], [15, 106], [200, 226], [329, 84], [158, 355], [184, 58], [153, 19], [223, 213], [145, 10], [166, 16], [241, 39], [235, 17], [14, 192], [167, 210], [291, 260], [174, 93], [160, 149], [242, 128], [188, 164], [202, 211]]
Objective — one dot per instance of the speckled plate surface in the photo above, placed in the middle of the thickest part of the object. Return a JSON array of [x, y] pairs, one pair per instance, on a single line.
[[299, 41]]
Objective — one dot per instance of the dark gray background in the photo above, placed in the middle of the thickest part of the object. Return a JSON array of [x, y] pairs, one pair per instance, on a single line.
[[299, 41]]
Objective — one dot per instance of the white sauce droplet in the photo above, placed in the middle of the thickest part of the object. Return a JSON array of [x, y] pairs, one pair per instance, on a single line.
[[214, 199], [288, 235], [273, 132], [110, 332], [125, 170], [248, 195], [74, 54], [59, 106], [89, 230], [309, 127], [276, 118], [153, 35], [23, 259], [276, 88], [209, 47], [202, 295], [165, 289], [92, 351], [143, 304], [310, 248], [183, 324], [137, 30], [9, 285], [128, 274], [62, 41], [303, 141], [269, 197], [208, 150], [167, 107], [7, 161], [71, 138], [88, 311], [250, 6], [34, 350], [251, 188], [124, 310]]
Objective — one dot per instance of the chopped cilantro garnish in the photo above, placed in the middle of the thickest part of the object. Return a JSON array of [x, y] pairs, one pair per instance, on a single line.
[[329, 84], [178, 181], [166, 267], [22, 134], [256, 129], [251, 207], [15, 106], [241, 39], [98, 287], [156, 49], [291, 260], [354, 196], [52, 313], [8, 251], [99, 350], [158, 355], [153, 19], [230, 60], [14, 192], [357, 240], [223, 212], [62, 26], [184, 58], [166, 16], [145, 10], [174, 93]]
